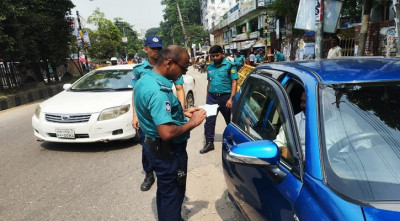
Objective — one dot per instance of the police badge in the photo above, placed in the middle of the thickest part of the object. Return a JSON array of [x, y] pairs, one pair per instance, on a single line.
[[168, 106]]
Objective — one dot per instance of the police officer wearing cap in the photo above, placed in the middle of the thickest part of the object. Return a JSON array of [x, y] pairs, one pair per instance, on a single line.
[[153, 45], [259, 57], [222, 81], [163, 121]]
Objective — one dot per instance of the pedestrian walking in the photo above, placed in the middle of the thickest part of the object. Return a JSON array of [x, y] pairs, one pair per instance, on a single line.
[[202, 65], [229, 57], [153, 45], [252, 59], [222, 81], [239, 60], [163, 121], [278, 55], [336, 50]]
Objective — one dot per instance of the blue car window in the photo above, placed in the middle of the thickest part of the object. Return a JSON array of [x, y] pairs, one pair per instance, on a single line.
[[261, 116], [361, 137]]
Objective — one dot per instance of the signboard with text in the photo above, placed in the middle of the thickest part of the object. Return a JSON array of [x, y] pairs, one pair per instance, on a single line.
[[331, 9]]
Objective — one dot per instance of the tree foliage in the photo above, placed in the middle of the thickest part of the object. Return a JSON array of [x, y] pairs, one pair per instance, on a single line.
[[152, 31], [104, 40], [352, 9], [35, 32], [285, 8], [171, 29], [133, 45]]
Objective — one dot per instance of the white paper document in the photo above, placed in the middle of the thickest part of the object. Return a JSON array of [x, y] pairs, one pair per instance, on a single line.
[[211, 109]]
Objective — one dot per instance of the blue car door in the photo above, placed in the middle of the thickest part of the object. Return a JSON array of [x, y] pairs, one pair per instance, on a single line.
[[262, 111]]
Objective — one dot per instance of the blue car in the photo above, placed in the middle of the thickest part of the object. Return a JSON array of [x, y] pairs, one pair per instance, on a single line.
[[316, 140]]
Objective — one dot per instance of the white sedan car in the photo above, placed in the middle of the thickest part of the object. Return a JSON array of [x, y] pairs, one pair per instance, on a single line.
[[97, 107]]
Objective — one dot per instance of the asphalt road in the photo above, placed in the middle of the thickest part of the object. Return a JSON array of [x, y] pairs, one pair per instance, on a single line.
[[101, 181]]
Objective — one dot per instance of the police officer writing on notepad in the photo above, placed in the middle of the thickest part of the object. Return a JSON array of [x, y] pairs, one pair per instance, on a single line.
[[222, 81], [152, 45], [163, 121]]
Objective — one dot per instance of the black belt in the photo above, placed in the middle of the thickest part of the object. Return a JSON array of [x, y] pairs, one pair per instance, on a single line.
[[219, 94], [163, 149]]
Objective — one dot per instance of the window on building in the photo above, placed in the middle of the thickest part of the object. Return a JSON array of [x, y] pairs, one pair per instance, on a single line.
[[253, 24]]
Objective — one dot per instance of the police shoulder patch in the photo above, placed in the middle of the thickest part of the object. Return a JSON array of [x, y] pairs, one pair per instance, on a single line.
[[168, 106]]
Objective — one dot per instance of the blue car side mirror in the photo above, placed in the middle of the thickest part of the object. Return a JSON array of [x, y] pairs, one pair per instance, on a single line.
[[256, 153]]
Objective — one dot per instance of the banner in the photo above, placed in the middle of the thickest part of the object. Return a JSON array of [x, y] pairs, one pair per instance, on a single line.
[[331, 11], [86, 38]]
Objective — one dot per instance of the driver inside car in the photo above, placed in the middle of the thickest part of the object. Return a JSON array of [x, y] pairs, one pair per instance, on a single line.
[[300, 118], [333, 117]]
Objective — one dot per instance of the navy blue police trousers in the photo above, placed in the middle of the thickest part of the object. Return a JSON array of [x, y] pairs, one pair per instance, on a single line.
[[209, 125], [170, 193], [146, 161]]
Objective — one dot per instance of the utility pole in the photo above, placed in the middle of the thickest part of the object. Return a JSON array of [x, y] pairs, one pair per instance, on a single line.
[[364, 27], [396, 4], [183, 28], [319, 28], [83, 41]]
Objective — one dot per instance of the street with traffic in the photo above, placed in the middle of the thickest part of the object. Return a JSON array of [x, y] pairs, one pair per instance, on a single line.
[[99, 181]]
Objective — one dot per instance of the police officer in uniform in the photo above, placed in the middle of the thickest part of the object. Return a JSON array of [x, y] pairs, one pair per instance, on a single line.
[[163, 121], [153, 45], [239, 61], [222, 82], [259, 57]]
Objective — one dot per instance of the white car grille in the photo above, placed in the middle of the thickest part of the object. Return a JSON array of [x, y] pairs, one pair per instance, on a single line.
[[65, 118]]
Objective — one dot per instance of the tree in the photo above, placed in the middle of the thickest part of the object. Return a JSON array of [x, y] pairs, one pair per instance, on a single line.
[[152, 31], [352, 9], [104, 40], [286, 9], [35, 33], [133, 45], [170, 28]]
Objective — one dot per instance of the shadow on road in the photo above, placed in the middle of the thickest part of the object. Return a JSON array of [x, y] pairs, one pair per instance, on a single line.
[[88, 147], [192, 208], [226, 209]]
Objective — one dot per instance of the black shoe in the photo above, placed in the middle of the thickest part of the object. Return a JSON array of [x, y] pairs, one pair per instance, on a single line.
[[208, 147], [148, 182]]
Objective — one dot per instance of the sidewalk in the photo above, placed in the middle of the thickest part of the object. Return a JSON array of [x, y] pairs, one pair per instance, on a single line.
[[39, 93]]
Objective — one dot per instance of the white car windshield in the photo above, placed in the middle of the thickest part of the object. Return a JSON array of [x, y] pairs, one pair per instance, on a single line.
[[104, 80], [361, 136]]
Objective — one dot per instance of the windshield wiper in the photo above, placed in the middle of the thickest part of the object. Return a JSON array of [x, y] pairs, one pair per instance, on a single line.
[[94, 89], [123, 89]]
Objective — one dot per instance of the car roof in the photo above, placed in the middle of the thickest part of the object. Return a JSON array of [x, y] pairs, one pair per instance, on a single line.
[[346, 70], [118, 67]]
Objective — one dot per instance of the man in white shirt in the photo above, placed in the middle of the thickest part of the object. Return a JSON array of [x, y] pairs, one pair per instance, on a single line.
[[336, 50], [300, 119], [335, 130], [252, 58]]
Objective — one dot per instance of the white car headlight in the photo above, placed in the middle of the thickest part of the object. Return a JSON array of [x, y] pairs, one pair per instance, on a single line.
[[37, 111], [113, 112]]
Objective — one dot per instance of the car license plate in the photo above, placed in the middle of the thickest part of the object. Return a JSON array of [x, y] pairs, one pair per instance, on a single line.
[[65, 133]]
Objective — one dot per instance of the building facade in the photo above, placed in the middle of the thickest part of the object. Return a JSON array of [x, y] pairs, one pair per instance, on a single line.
[[248, 25], [244, 27], [212, 10]]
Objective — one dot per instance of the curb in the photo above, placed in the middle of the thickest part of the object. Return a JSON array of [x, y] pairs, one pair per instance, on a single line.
[[21, 98]]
